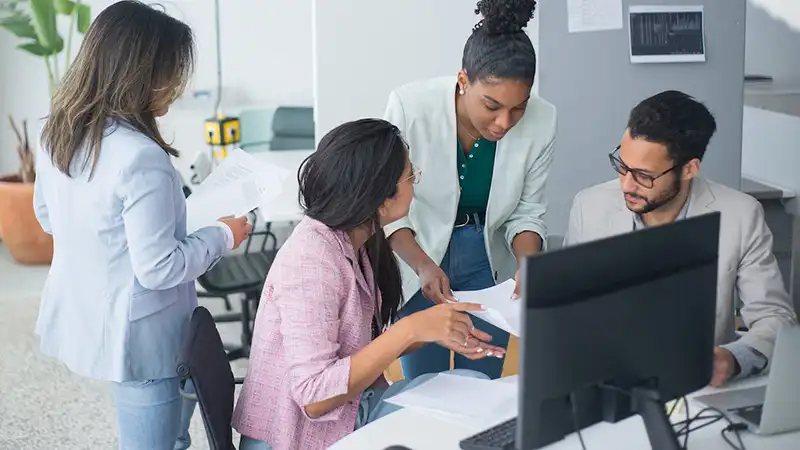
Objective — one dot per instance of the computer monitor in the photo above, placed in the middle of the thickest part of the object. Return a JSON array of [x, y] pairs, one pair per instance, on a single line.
[[617, 327]]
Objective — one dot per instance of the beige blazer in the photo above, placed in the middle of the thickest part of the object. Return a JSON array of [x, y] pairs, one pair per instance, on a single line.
[[747, 267], [425, 113]]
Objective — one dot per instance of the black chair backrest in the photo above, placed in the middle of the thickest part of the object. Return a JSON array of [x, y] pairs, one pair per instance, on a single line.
[[205, 363]]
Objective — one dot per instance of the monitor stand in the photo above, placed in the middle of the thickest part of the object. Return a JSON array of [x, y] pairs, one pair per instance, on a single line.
[[647, 403]]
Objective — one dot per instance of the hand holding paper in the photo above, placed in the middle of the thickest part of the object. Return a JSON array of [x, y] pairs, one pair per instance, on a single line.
[[501, 311], [239, 228], [234, 188]]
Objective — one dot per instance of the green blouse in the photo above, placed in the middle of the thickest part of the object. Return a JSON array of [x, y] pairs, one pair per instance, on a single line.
[[475, 176]]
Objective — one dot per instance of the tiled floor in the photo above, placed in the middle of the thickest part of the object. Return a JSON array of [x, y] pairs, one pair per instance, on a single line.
[[43, 406]]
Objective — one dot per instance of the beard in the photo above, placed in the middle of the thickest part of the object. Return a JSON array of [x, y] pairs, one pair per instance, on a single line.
[[660, 200]]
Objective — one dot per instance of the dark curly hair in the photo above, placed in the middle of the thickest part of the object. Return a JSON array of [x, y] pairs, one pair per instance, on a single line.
[[675, 120], [498, 48]]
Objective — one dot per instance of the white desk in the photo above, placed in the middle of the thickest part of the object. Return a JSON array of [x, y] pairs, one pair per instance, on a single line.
[[285, 207], [424, 431]]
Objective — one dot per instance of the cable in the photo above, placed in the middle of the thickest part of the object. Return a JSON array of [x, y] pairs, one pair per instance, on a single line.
[[736, 428], [575, 419], [709, 419]]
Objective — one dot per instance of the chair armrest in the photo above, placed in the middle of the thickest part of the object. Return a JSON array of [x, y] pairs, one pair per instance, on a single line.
[[187, 395]]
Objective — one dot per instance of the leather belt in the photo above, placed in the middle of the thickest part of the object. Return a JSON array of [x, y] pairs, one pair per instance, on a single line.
[[464, 219]]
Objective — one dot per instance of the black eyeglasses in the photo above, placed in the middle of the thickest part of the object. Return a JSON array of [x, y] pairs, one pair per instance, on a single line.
[[643, 179]]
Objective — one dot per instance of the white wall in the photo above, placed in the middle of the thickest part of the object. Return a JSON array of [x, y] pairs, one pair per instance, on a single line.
[[770, 138], [365, 48], [267, 61], [771, 47], [771, 150]]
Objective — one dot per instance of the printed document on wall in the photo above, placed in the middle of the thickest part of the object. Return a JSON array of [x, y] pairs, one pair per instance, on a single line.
[[594, 15]]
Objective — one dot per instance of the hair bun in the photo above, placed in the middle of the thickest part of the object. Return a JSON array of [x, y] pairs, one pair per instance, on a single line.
[[504, 16]]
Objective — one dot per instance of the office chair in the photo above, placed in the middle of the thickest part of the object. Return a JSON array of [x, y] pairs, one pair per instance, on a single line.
[[207, 378], [241, 273], [244, 274], [293, 128]]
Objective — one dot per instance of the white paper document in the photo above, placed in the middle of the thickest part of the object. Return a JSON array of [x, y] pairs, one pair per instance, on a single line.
[[233, 188], [462, 399], [594, 15], [501, 311]]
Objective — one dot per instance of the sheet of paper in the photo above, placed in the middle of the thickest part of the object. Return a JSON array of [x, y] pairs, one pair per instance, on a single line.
[[462, 398], [235, 187], [594, 15], [502, 311], [239, 164]]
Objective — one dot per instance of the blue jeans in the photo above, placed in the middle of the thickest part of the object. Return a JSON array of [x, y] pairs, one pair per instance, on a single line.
[[467, 267], [152, 415], [373, 405]]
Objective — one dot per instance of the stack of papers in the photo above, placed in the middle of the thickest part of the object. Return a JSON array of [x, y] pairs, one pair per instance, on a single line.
[[502, 311], [462, 399], [234, 188]]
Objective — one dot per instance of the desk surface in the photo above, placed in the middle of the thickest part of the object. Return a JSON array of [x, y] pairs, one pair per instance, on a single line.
[[284, 207], [763, 191], [426, 431]]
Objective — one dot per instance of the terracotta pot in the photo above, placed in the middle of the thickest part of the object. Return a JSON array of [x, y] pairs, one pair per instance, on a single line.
[[19, 229]]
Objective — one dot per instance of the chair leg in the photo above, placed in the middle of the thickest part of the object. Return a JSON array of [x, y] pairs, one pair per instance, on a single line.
[[247, 333], [227, 303]]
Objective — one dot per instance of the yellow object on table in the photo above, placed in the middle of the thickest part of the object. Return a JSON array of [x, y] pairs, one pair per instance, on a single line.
[[222, 131]]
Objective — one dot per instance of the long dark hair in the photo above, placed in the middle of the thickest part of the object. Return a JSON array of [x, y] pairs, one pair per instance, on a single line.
[[499, 48], [134, 61], [356, 167]]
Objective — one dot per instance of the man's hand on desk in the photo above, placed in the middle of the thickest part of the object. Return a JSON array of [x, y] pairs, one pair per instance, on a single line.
[[725, 367], [517, 280]]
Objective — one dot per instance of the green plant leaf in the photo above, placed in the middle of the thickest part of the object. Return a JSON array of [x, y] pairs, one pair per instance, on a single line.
[[65, 7], [19, 25], [84, 17], [35, 49], [43, 19]]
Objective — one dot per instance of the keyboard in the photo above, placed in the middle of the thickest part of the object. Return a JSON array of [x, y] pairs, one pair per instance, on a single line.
[[751, 414], [499, 437]]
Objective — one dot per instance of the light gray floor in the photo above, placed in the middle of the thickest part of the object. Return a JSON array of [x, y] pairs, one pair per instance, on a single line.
[[43, 406]]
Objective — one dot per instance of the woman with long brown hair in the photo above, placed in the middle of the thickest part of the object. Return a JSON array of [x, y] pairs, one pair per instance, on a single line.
[[120, 291]]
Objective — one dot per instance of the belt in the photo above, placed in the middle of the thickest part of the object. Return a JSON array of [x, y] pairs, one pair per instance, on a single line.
[[465, 219]]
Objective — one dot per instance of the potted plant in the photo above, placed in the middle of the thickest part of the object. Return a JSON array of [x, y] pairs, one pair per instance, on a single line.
[[35, 22]]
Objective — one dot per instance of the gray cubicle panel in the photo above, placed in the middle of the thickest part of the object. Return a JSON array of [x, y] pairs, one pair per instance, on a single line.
[[590, 79]]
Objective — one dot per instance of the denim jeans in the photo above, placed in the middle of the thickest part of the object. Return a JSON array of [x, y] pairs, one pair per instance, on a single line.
[[467, 267], [152, 415], [373, 405]]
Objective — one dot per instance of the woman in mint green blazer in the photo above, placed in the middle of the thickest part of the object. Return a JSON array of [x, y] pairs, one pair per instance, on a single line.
[[485, 144]]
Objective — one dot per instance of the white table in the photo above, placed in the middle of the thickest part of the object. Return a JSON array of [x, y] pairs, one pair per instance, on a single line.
[[284, 207], [424, 431]]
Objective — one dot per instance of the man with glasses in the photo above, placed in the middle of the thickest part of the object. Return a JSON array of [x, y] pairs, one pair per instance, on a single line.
[[658, 163]]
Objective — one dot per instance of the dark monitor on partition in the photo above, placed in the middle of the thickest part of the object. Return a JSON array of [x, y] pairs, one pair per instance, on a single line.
[[617, 327]]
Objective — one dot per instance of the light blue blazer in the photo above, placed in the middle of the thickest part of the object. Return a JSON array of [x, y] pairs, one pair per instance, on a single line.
[[120, 291]]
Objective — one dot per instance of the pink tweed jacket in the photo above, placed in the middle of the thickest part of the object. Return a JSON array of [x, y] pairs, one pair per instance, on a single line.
[[316, 311]]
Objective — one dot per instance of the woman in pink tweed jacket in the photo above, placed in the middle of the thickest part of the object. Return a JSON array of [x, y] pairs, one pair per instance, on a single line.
[[321, 340]]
